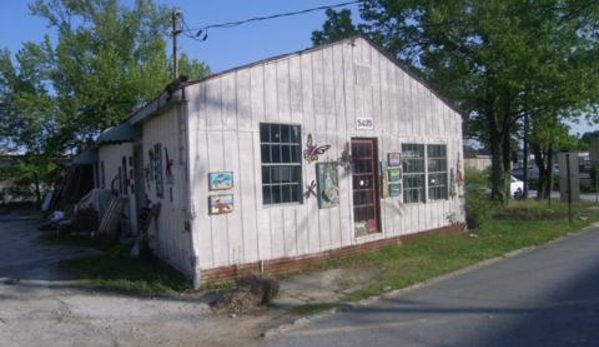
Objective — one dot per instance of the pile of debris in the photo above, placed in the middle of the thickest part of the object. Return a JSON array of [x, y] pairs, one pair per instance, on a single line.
[[251, 292], [98, 213]]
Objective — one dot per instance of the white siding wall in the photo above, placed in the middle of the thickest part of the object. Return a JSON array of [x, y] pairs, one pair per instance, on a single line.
[[112, 157], [168, 237], [324, 91]]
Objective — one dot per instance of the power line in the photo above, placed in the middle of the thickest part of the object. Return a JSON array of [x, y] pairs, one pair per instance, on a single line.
[[189, 32]]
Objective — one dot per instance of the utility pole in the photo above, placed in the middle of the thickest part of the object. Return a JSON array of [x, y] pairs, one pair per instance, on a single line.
[[176, 31]]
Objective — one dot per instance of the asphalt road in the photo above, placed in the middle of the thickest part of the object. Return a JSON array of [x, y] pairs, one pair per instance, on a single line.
[[546, 297]]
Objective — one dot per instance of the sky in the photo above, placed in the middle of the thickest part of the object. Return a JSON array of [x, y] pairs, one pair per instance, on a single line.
[[224, 48]]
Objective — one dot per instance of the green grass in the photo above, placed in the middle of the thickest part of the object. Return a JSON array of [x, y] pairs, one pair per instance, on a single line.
[[115, 270], [519, 225]]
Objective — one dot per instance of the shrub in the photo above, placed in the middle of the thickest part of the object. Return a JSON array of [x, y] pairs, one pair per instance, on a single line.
[[478, 207], [478, 178]]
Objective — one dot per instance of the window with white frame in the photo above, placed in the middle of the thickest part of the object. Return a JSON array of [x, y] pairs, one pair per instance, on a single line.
[[413, 173], [280, 146], [437, 171]]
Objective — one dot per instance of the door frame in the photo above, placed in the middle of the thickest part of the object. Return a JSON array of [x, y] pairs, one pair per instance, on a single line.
[[377, 182]]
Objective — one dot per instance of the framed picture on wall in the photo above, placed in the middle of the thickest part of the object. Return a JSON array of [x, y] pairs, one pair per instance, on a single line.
[[221, 180], [395, 189], [394, 175], [220, 204], [394, 159], [328, 184]]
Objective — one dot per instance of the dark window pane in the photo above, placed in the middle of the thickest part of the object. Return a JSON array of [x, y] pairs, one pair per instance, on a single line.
[[295, 192], [285, 134], [276, 154], [286, 193], [264, 133], [266, 154], [285, 174], [276, 194], [296, 174], [285, 154], [295, 154], [266, 176], [276, 174], [275, 133], [266, 195], [295, 134]]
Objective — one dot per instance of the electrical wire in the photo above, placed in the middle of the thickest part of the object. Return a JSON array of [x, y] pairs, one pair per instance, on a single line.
[[189, 32]]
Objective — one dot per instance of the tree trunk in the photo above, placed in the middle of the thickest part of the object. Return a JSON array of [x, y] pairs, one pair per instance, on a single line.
[[549, 172], [525, 158], [495, 142], [506, 145], [543, 159], [38, 192], [539, 159]]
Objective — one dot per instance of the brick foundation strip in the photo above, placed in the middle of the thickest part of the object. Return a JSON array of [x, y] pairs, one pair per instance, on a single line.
[[281, 266]]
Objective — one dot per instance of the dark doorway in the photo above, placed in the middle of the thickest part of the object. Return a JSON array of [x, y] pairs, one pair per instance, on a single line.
[[365, 179]]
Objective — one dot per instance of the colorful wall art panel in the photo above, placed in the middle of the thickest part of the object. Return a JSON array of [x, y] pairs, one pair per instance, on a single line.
[[158, 170], [394, 175], [394, 159], [395, 189], [220, 180], [220, 204], [328, 184]]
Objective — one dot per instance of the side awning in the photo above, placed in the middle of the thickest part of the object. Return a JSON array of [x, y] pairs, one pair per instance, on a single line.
[[87, 157]]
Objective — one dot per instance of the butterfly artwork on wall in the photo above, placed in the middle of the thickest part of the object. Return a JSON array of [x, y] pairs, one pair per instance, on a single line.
[[345, 159], [169, 167], [313, 151], [310, 190]]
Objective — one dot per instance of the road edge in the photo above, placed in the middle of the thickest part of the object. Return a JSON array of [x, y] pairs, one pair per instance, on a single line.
[[305, 320]]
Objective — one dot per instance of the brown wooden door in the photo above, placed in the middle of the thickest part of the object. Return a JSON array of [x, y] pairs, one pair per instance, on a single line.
[[365, 180]]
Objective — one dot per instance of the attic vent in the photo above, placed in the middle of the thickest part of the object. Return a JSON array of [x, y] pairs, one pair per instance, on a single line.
[[363, 75]]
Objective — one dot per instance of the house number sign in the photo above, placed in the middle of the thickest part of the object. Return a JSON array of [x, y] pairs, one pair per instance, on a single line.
[[364, 123]]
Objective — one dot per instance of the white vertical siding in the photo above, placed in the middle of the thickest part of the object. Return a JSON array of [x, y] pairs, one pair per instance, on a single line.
[[112, 157], [168, 237], [324, 91]]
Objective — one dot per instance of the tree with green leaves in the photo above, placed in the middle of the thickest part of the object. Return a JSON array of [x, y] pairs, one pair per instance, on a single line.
[[106, 60], [498, 59], [338, 26]]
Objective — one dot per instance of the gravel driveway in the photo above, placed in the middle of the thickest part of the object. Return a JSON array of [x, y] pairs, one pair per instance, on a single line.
[[41, 305]]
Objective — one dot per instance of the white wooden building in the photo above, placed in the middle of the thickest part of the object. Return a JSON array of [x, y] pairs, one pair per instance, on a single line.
[[291, 159]]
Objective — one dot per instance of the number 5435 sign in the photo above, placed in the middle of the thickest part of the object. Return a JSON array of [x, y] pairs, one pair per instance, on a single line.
[[364, 123]]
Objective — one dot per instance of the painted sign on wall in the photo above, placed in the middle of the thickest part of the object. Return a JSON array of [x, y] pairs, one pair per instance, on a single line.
[[364, 123], [220, 204], [220, 180]]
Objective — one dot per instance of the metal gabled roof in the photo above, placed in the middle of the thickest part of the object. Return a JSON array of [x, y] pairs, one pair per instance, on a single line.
[[124, 132]]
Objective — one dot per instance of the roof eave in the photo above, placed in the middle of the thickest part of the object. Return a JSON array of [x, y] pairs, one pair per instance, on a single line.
[[165, 100]]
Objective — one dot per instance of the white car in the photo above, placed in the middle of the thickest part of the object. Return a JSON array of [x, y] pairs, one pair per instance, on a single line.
[[516, 187]]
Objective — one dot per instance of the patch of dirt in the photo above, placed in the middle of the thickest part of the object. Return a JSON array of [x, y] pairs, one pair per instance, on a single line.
[[327, 286]]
